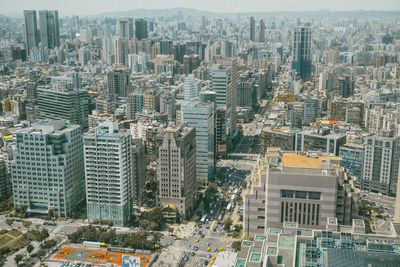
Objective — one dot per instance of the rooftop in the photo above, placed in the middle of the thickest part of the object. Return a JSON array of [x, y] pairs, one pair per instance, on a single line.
[[302, 161]]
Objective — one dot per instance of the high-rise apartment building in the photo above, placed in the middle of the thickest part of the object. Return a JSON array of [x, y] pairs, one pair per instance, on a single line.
[[310, 110], [118, 83], [30, 31], [304, 189], [151, 100], [301, 48], [201, 116], [121, 51], [64, 103], [352, 155], [84, 56], [346, 85], [134, 104], [177, 171], [31, 92], [49, 28], [125, 28], [105, 104], [47, 169], [5, 186], [108, 172], [223, 84], [138, 169], [262, 31], [192, 87], [381, 164], [247, 91], [141, 29], [252, 29]]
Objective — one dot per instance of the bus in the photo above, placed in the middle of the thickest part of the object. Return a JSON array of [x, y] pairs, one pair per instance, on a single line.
[[203, 219]]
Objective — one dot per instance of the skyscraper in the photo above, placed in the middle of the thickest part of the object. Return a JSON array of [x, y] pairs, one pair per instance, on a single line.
[[301, 47], [252, 29], [49, 28], [31, 36], [118, 83], [177, 171], [262, 29], [68, 104], [53, 176], [201, 116], [138, 169], [125, 28], [141, 29], [223, 84], [121, 51], [108, 172]]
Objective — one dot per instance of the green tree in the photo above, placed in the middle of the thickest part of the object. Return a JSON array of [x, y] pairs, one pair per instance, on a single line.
[[49, 244], [50, 212], [212, 189], [237, 245], [29, 248], [227, 224], [9, 222], [27, 224], [18, 258], [156, 216]]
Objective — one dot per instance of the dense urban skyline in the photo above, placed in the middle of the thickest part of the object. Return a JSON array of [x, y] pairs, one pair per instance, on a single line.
[[94, 7], [220, 134]]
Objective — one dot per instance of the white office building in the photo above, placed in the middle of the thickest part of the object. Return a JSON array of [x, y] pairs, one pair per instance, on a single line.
[[201, 116], [108, 172], [48, 170]]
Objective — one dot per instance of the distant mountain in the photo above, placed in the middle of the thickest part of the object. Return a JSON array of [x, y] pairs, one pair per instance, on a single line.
[[168, 12], [171, 12]]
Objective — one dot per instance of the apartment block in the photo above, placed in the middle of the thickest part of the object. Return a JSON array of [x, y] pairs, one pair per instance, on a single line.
[[381, 164], [108, 172]]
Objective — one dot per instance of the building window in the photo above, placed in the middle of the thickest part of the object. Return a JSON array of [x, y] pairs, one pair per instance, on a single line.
[[286, 211], [301, 194], [287, 193], [282, 212], [314, 195]]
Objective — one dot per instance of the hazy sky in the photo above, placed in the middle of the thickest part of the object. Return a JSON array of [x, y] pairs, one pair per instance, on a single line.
[[80, 7]]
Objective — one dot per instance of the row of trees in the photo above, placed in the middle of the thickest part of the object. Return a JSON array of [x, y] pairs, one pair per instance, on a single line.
[[138, 240], [153, 220]]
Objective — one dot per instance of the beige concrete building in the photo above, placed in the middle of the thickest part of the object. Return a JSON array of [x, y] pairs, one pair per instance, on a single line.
[[177, 171], [301, 188], [283, 138]]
